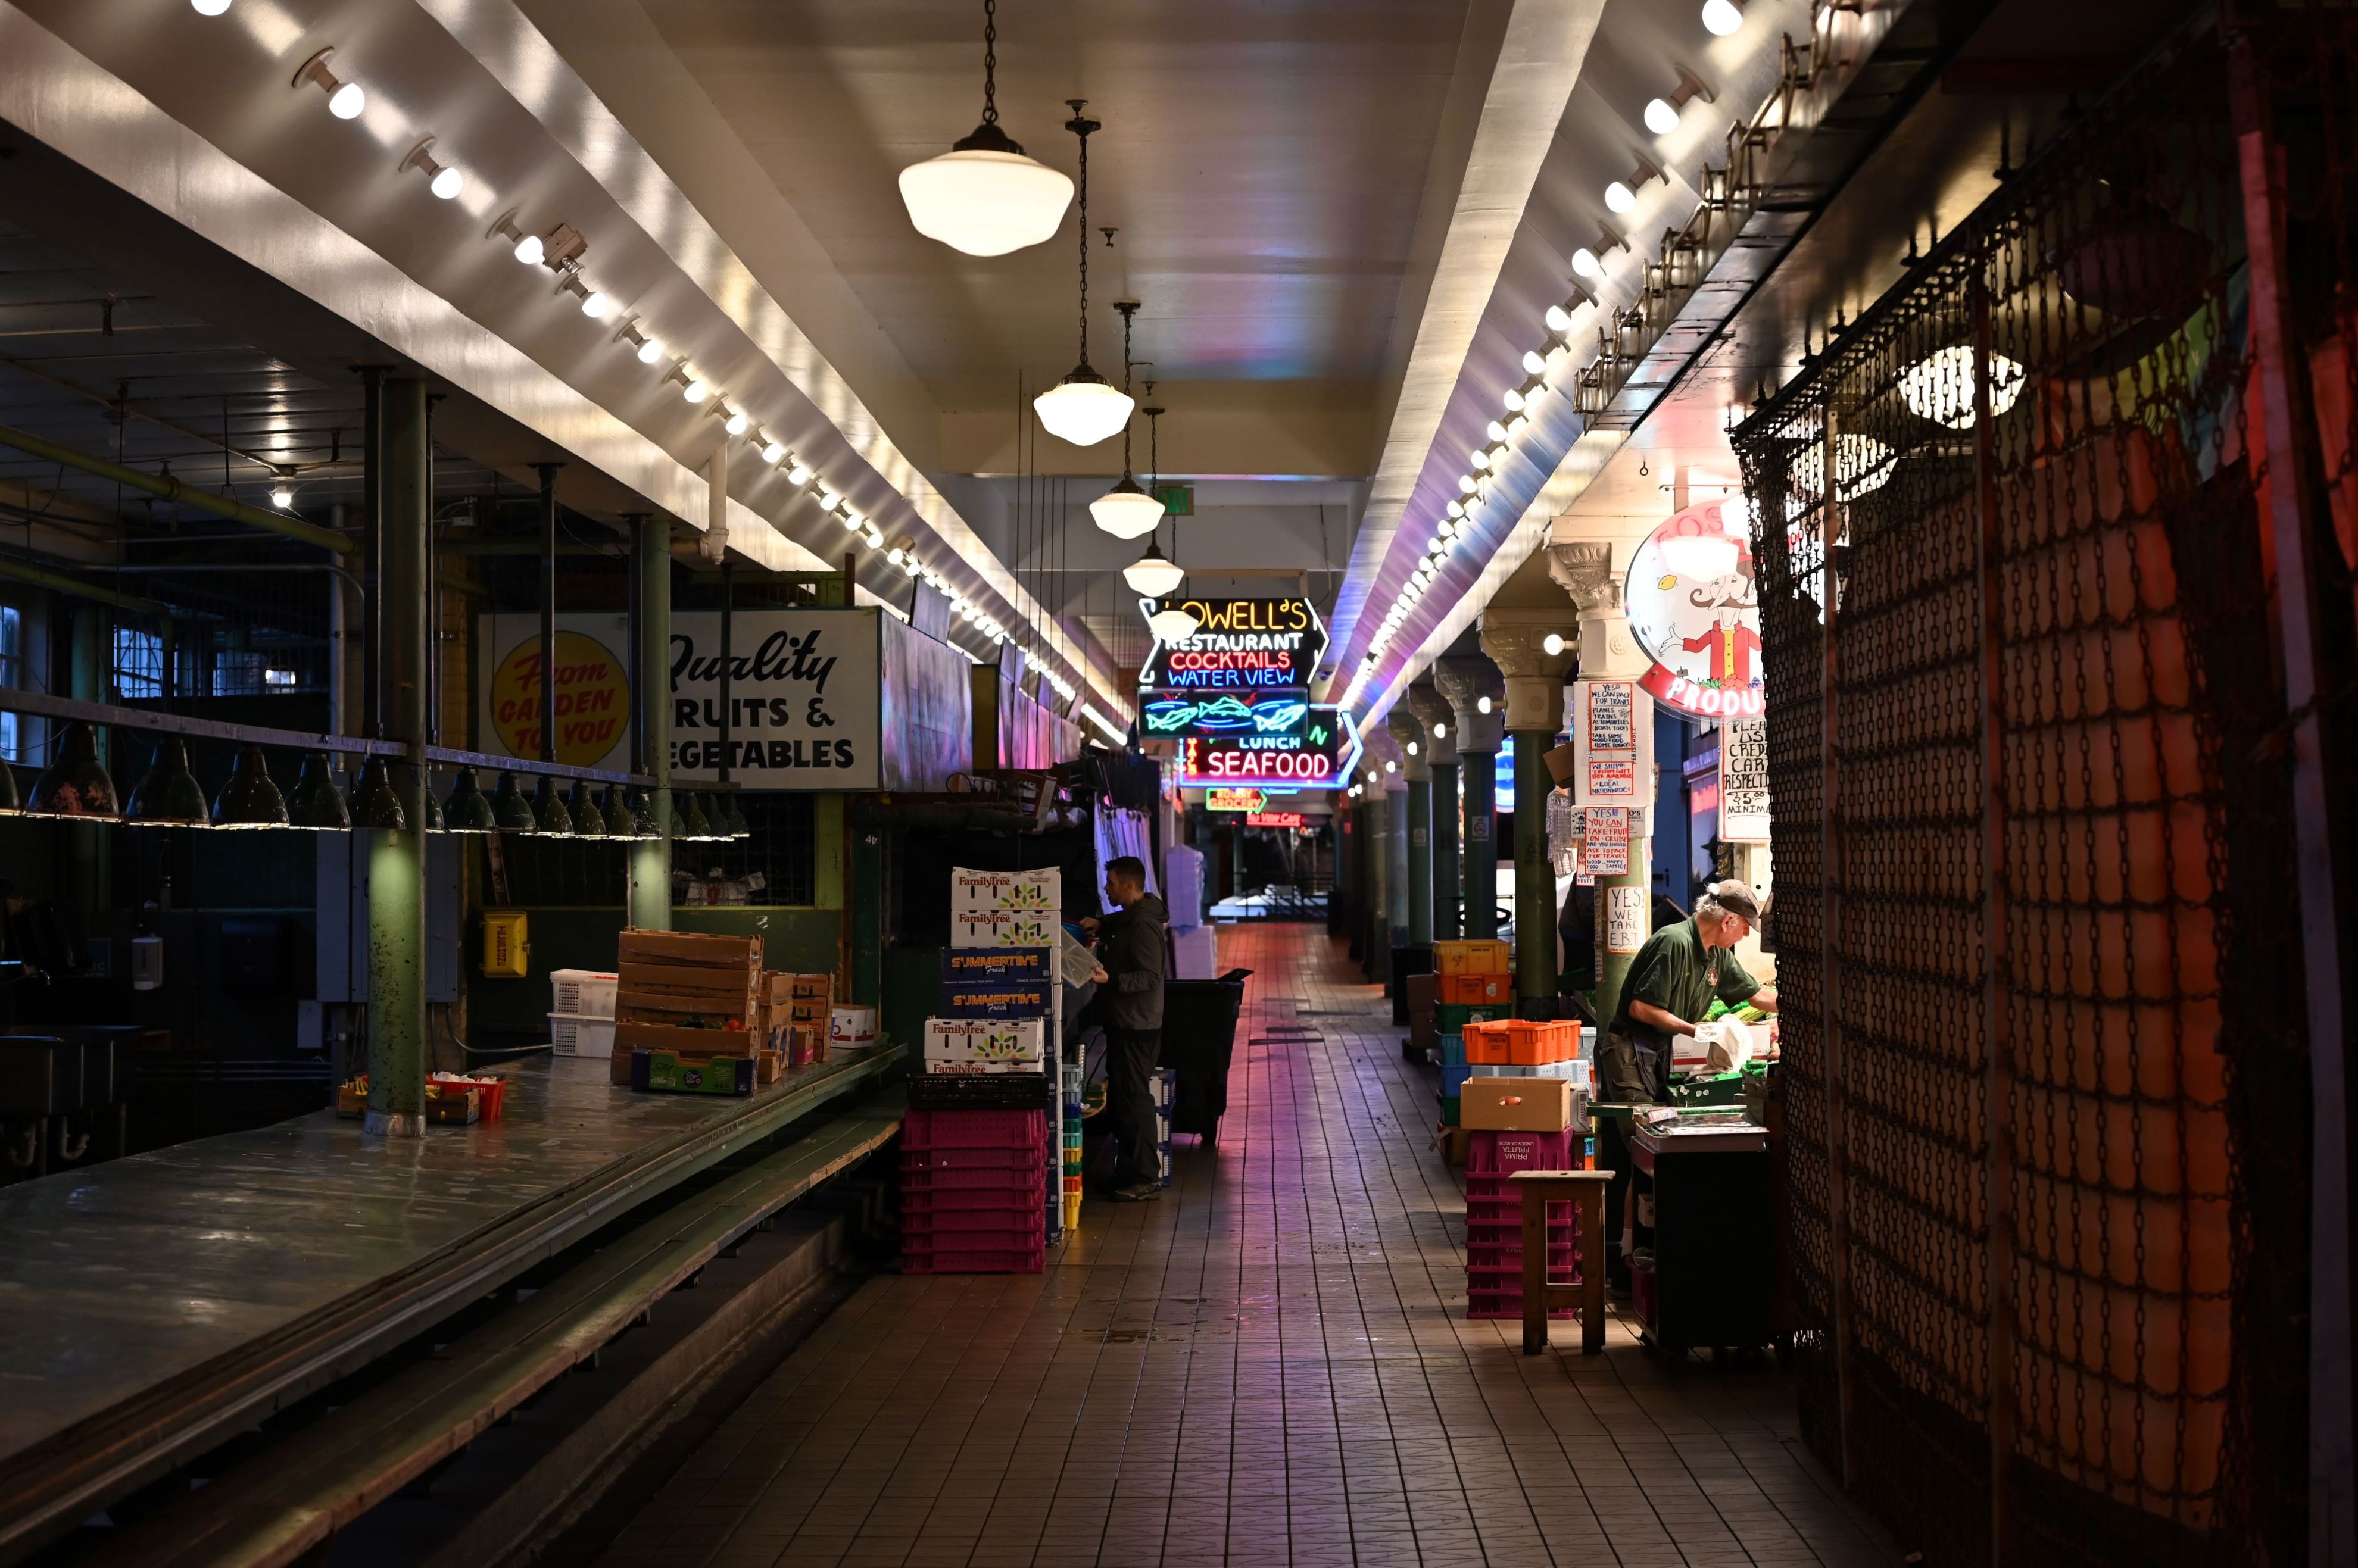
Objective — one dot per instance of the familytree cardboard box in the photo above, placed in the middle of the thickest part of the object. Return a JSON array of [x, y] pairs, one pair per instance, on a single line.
[[985, 1045]]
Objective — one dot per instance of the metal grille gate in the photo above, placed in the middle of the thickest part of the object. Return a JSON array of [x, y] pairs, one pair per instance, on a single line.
[[2048, 1167]]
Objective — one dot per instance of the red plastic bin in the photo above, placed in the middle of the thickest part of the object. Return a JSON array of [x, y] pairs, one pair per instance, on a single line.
[[1562, 1260], [1511, 1236], [934, 1130]]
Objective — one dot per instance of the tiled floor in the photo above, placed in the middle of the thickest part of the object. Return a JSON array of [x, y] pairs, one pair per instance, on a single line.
[[1267, 1366]]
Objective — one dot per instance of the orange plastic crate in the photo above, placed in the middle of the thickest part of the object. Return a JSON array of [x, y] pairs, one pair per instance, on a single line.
[[1489, 1044], [1472, 989], [1532, 1045]]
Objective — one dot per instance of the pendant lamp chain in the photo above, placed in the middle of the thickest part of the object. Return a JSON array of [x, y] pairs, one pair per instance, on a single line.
[[1081, 126], [991, 62]]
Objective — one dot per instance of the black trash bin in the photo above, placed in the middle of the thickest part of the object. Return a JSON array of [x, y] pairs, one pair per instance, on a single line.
[[1199, 1039]]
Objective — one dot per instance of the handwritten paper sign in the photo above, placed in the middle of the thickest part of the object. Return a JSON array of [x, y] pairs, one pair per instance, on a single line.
[[1744, 781], [1605, 845], [1624, 919]]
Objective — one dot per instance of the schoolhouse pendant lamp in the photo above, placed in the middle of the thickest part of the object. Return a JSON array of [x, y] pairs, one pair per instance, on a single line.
[[1125, 512], [1154, 574], [1083, 408], [1174, 623], [983, 195]]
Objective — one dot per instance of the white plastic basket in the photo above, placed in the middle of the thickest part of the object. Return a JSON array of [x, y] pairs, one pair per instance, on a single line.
[[575, 1036], [582, 993]]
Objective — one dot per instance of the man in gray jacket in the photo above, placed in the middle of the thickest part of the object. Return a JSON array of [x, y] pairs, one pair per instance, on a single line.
[[1130, 951]]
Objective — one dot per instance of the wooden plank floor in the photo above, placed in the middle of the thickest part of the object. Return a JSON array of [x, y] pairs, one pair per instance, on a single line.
[[1268, 1366]]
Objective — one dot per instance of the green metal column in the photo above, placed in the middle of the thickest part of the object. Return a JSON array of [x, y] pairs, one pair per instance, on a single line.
[[89, 848], [1479, 772], [1534, 877], [1420, 863], [650, 869], [396, 860], [1447, 920]]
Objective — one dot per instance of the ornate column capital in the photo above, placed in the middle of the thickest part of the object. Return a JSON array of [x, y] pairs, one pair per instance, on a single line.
[[1408, 733], [1478, 696], [1381, 759], [1584, 570], [1517, 642], [1441, 729]]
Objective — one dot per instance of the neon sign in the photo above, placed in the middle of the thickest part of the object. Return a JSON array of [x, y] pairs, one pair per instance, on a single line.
[[1182, 712], [1321, 757], [1241, 645], [1235, 799], [1274, 819]]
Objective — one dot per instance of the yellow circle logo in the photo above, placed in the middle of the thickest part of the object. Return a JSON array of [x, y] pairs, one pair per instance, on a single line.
[[594, 699]]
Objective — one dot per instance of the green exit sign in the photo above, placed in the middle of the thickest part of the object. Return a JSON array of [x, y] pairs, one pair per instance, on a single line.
[[1178, 500]]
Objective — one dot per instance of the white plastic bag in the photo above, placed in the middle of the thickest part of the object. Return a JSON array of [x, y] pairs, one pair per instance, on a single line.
[[1727, 1044]]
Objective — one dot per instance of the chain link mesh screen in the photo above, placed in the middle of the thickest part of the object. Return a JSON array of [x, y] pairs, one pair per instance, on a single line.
[[2025, 827]]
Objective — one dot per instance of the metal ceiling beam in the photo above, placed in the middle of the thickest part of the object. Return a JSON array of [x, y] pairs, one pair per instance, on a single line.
[[165, 487]]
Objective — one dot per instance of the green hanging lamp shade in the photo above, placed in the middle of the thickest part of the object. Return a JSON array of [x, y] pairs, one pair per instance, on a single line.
[[513, 811], [693, 825], [251, 797], [375, 802], [315, 802], [75, 783], [427, 803], [548, 809], [11, 804], [589, 822], [645, 824], [170, 796], [619, 821], [468, 809]]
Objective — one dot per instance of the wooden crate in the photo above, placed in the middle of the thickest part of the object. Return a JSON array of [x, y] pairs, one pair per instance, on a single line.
[[629, 1037], [692, 948]]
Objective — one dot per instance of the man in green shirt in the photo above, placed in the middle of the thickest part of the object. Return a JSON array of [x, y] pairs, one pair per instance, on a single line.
[[1671, 986]]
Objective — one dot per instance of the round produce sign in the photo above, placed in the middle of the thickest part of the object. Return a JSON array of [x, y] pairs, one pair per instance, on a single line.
[[1694, 608]]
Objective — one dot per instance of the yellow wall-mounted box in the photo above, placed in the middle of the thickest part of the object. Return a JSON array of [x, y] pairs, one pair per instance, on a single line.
[[508, 954]]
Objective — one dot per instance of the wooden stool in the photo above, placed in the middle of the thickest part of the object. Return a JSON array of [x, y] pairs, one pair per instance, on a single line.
[[1585, 1191]]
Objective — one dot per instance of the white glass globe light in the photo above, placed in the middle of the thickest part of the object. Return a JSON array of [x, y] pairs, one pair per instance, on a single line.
[[596, 305], [529, 250], [1720, 17], [1552, 643], [985, 203], [447, 182], [737, 421], [209, 7], [347, 102], [1153, 574], [1940, 386], [1481, 705], [1127, 512], [1619, 197], [1534, 363], [1585, 263], [1661, 117], [1084, 412], [1699, 557], [1559, 319], [651, 350], [1174, 624], [773, 452]]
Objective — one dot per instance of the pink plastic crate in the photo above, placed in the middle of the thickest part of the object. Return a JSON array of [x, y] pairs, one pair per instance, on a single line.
[[1032, 1192], [933, 1130], [973, 1159], [1502, 1153], [1032, 1261], [1511, 1236], [983, 1226], [1562, 1260], [1506, 1303]]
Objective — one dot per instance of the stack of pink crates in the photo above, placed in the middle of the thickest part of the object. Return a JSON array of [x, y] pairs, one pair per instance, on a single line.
[[1494, 1220], [973, 1188]]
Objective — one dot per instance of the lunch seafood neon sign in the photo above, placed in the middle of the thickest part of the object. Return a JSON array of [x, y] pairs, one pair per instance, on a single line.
[[1240, 645], [1321, 757]]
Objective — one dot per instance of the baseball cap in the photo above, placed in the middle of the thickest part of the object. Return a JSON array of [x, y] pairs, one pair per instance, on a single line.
[[1736, 898]]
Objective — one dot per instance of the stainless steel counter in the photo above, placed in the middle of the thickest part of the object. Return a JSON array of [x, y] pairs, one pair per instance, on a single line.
[[151, 1303]]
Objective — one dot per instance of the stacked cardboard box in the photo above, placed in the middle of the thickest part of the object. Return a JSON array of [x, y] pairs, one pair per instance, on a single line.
[[684, 998]]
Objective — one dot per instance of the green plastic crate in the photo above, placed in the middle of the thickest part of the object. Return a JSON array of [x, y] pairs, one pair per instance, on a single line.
[[1453, 1051], [1448, 1110], [1452, 1017]]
